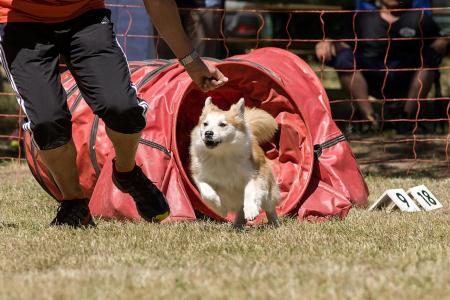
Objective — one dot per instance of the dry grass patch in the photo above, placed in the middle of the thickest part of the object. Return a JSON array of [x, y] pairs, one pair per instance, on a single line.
[[370, 255]]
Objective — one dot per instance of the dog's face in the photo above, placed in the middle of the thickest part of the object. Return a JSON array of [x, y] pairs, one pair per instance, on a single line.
[[218, 127]]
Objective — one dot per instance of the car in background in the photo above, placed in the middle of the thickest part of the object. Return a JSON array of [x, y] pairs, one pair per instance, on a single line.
[[242, 29]]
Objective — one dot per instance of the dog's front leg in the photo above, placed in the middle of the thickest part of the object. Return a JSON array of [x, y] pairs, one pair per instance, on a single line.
[[252, 200], [210, 195], [239, 220]]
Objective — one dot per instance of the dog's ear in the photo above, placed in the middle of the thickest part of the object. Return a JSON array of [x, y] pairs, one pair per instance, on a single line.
[[241, 106], [208, 102]]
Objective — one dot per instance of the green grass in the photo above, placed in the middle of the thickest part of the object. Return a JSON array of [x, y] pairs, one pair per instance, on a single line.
[[370, 255]]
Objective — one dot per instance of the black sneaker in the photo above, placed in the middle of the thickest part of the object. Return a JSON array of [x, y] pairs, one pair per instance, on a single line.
[[150, 201], [74, 213]]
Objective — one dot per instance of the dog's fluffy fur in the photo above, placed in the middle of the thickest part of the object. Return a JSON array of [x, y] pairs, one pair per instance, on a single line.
[[228, 165]]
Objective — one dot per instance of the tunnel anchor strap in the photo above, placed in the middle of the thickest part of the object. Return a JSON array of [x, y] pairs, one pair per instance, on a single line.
[[318, 148]]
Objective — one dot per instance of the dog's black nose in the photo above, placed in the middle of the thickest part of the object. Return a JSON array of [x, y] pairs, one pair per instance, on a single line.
[[209, 133]]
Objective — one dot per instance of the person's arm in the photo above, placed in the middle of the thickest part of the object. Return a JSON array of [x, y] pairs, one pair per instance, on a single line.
[[165, 17], [432, 30], [440, 45]]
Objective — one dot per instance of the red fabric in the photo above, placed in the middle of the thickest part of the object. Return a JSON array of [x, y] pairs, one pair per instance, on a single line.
[[272, 79], [45, 11], [291, 151], [110, 203], [337, 164], [328, 202]]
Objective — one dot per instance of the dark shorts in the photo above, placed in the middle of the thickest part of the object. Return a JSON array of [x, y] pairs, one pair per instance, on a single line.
[[30, 54], [397, 82]]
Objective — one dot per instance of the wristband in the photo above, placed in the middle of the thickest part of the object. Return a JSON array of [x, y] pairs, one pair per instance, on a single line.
[[189, 58]]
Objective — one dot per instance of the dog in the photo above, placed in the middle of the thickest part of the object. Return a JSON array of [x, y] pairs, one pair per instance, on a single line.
[[228, 165]]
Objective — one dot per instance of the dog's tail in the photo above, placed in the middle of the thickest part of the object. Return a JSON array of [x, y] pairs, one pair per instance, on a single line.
[[262, 125]]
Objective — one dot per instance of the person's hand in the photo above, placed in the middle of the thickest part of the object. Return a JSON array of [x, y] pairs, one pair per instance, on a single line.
[[206, 77], [325, 51], [440, 46]]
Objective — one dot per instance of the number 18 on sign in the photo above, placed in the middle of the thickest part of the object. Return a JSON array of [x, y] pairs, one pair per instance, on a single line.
[[425, 197]]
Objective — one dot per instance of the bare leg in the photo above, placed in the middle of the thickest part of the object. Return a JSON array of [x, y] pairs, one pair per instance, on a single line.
[[62, 162], [359, 90], [62, 165], [125, 146], [427, 81]]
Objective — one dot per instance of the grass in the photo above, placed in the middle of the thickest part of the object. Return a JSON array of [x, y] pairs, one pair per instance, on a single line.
[[370, 255]]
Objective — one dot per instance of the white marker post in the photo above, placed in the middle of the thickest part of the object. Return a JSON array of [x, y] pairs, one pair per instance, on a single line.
[[425, 197], [395, 198]]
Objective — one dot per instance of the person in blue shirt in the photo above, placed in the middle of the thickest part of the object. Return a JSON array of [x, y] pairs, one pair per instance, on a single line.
[[370, 55]]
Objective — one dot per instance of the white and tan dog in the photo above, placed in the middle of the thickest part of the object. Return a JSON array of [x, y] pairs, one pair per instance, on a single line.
[[228, 165]]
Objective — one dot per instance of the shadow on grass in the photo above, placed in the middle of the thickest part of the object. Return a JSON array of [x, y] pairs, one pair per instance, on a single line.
[[8, 225], [392, 155]]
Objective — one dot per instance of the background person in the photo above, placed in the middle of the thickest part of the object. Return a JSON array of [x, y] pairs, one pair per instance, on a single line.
[[199, 24], [401, 54]]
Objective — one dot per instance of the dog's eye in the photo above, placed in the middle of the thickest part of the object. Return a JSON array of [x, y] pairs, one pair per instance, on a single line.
[[205, 124], [222, 124]]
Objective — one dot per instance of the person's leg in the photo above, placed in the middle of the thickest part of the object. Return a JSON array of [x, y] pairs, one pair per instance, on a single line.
[[43, 99], [101, 71], [31, 63], [102, 74], [420, 87], [422, 80], [355, 84], [125, 146], [61, 162], [416, 85]]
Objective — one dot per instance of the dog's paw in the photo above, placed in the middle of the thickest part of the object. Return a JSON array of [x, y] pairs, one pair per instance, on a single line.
[[251, 211], [214, 199], [211, 197], [209, 194]]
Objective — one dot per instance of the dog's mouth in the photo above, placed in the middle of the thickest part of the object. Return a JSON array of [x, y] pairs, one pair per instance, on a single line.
[[210, 143]]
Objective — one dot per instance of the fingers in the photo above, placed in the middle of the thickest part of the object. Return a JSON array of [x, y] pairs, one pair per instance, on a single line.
[[220, 79], [325, 51], [207, 86], [211, 84], [214, 79], [205, 76], [319, 51], [333, 51]]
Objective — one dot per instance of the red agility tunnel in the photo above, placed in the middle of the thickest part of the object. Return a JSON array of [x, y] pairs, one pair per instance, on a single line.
[[315, 168]]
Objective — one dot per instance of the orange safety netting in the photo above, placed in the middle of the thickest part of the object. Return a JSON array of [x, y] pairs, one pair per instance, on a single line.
[[285, 38]]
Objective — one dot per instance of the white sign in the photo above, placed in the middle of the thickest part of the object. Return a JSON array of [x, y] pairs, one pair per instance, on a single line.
[[393, 198], [425, 197]]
